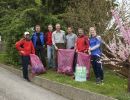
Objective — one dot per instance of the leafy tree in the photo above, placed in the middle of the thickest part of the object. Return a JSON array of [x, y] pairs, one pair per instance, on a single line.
[[86, 13], [18, 16], [55, 6]]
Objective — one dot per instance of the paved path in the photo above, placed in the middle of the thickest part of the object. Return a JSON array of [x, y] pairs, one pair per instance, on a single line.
[[13, 87]]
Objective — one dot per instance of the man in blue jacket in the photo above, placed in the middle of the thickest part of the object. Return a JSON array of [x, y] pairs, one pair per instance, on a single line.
[[38, 41]]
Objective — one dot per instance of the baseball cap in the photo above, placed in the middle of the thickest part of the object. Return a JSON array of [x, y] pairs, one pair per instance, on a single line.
[[25, 33]]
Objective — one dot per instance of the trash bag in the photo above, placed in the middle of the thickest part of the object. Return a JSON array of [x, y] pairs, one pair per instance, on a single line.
[[65, 61], [37, 66], [82, 72]]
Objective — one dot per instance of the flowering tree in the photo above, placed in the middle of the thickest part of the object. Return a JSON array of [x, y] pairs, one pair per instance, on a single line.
[[119, 46]]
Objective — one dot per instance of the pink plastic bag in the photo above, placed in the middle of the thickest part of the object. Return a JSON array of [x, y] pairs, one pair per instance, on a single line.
[[83, 60], [37, 66], [65, 61]]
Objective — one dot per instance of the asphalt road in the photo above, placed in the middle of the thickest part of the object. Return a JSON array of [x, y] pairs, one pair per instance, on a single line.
[[13, 87]]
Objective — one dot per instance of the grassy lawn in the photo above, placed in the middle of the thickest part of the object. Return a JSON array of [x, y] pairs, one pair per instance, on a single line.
[[114, 85]]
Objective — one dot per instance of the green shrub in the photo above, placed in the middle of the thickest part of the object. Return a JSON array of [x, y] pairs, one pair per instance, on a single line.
[[18, 20]]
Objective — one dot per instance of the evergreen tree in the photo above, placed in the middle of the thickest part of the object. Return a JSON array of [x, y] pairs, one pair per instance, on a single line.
[[18, 16]]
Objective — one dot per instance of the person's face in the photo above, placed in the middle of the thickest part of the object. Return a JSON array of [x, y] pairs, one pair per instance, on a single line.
[[69, 30], [81, 32], [27, 36], [50, 28], [58, 27], [92, 31], [38, 29]]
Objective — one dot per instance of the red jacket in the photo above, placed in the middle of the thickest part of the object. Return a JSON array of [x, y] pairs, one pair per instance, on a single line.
[[82, 43], [25, 47], [48, 38]]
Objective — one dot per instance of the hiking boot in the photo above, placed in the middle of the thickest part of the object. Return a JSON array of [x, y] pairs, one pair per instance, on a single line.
[[98, 81]]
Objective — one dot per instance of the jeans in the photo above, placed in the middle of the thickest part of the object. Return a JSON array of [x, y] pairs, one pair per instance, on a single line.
[[50, 56], [97, 67], [25, 63]]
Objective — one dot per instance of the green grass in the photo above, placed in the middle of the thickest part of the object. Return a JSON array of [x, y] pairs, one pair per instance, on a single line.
[[2, 57], [114, 85]]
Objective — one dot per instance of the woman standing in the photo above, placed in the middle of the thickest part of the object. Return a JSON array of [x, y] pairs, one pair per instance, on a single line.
[[95, 49]]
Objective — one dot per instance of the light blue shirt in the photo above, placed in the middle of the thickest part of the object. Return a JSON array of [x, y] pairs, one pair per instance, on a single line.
[[70, 40]]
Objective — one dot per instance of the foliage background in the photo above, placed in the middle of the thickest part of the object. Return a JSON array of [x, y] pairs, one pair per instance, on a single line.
[[18, 16]]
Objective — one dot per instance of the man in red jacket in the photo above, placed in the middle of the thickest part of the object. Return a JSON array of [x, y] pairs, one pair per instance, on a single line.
[[50, 48], [25, 48], [82, 43]]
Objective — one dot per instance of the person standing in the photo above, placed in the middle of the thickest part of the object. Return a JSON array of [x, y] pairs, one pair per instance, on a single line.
[[25, 48], [58, 40], [50, 49], [95, 49], [38, 40], [70, 38], [82, 43]]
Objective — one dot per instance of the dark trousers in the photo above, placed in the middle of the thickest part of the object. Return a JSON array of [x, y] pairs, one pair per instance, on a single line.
[[25, 63], [75, 61], [97, 67], [41, 54]]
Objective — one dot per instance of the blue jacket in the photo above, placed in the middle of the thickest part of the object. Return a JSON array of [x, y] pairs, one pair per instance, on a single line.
[[34, 38], [94, 41]]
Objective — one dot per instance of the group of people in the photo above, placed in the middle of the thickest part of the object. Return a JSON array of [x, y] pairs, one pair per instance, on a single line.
[[58, 39]]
